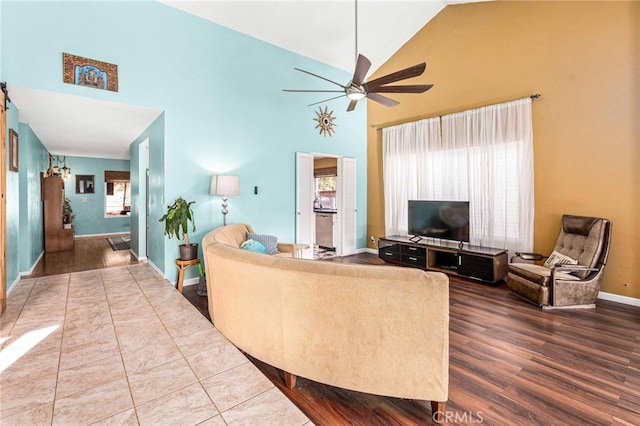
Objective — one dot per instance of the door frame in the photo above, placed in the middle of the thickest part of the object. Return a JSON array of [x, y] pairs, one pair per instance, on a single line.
[[143, 197], [306, 207], [3, 204]]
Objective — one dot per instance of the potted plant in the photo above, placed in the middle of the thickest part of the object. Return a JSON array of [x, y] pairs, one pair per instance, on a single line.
[[202, 282], [67, 214], [176, 224]]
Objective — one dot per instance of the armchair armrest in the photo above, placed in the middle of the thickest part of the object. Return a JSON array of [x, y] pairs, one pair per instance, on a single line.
[[584, 271], [528, 256]]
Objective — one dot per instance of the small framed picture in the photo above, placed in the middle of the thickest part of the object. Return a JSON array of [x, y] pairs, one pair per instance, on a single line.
[[85, 184], [13, 150]]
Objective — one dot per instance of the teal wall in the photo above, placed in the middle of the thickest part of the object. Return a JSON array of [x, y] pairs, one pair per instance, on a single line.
[[221, 93], [155, 249], [89, 215], [34, 158]]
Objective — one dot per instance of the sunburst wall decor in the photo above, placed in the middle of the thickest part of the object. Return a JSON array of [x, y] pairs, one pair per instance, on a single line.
[[325, 122]]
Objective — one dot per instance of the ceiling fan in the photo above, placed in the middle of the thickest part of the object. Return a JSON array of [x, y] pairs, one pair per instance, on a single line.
[[357, 88]]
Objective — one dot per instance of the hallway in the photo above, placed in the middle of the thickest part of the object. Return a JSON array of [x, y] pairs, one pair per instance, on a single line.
[[89, 253]]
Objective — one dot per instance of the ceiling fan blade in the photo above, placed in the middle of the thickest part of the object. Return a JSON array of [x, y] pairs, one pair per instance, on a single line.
[[382, 99], [410, 72], [323, 78], [352, 105], [362, 68], [410, 88], [313, 91], [326, 100]]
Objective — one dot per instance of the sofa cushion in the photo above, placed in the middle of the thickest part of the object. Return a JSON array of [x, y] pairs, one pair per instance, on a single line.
[[270, 242], [232, 235], [253, 245]]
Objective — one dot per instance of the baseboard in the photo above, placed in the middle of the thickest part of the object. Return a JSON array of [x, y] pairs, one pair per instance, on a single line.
[[191, 281], [10, 290], [370, 250], [626, 300], [108, 234], [33, 267], [138, 258], [155, 268]]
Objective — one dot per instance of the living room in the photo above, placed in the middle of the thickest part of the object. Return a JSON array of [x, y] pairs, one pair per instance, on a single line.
[[225, 112]]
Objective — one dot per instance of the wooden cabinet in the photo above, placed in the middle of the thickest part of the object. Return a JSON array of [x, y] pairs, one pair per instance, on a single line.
[[56, 238], [476, 262]]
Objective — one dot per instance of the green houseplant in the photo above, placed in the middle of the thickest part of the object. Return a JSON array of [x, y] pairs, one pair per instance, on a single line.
[[67, 214], [176, 224]]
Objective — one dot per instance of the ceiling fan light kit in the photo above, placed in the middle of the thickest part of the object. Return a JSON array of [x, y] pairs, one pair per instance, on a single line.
[[355, 94]]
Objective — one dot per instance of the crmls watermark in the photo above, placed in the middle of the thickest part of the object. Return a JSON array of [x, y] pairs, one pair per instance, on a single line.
[[459, 418]]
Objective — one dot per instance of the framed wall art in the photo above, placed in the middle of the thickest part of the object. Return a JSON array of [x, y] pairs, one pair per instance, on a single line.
[[89, 72], [13, 150], [85, 184]]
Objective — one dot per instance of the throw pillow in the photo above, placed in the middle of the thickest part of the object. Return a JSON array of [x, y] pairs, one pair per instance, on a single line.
[[269, 241], [253, 245], [558, 258]]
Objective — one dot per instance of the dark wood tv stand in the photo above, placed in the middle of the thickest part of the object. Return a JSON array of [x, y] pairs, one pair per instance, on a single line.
[[481, 263]]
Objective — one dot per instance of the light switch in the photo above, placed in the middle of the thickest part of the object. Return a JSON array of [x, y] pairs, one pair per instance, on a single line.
[[84, 199]]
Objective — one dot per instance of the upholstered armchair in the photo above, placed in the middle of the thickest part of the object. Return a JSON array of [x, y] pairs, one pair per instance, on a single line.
[[571, 275]]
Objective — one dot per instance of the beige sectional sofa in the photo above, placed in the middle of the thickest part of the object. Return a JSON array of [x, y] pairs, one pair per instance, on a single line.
[[377, 329]]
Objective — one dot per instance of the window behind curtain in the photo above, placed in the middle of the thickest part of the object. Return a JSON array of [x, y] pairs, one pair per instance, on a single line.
[[484, 156]]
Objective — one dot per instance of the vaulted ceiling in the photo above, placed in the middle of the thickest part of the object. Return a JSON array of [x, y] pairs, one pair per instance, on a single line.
[[319, 29]]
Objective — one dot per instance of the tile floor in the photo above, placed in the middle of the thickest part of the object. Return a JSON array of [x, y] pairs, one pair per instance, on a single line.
[[122, 346]]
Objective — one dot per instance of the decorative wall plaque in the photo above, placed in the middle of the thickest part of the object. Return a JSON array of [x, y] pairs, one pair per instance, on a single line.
[[89, 72]]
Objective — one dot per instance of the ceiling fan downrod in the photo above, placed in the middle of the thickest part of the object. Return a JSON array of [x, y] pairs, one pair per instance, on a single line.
[[358, 88]]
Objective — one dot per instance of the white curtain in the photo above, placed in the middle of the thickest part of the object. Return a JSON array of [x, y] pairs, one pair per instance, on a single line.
[[484, 156], [405, 155]]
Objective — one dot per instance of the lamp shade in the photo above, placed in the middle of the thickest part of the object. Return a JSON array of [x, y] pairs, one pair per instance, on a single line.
[[224, 185]]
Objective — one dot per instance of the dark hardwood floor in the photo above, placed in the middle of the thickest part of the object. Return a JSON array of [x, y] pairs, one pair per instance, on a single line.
[[510, 362], [88, 253]]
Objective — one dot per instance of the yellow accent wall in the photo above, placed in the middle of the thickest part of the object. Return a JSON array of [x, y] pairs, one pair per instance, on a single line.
[[584, 59]]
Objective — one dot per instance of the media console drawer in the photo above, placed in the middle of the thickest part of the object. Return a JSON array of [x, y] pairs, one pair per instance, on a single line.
[[413, 250], [390, 255], [418, 261], [389, 251]]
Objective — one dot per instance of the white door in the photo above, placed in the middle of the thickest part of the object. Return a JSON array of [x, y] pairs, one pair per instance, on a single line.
[[305, 220], [347, 208]]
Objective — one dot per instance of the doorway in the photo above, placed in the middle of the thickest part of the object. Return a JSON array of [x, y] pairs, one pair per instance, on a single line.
[[325, 173], [325, 204], [3, 205], [143, 210]]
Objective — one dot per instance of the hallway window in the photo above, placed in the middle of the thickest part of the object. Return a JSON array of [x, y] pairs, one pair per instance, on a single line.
[[117, 193]]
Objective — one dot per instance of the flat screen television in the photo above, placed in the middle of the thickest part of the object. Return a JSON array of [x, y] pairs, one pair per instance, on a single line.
[[448, 220]]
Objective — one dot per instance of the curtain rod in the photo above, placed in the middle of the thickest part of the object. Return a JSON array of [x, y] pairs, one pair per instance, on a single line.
[[532, 97]]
